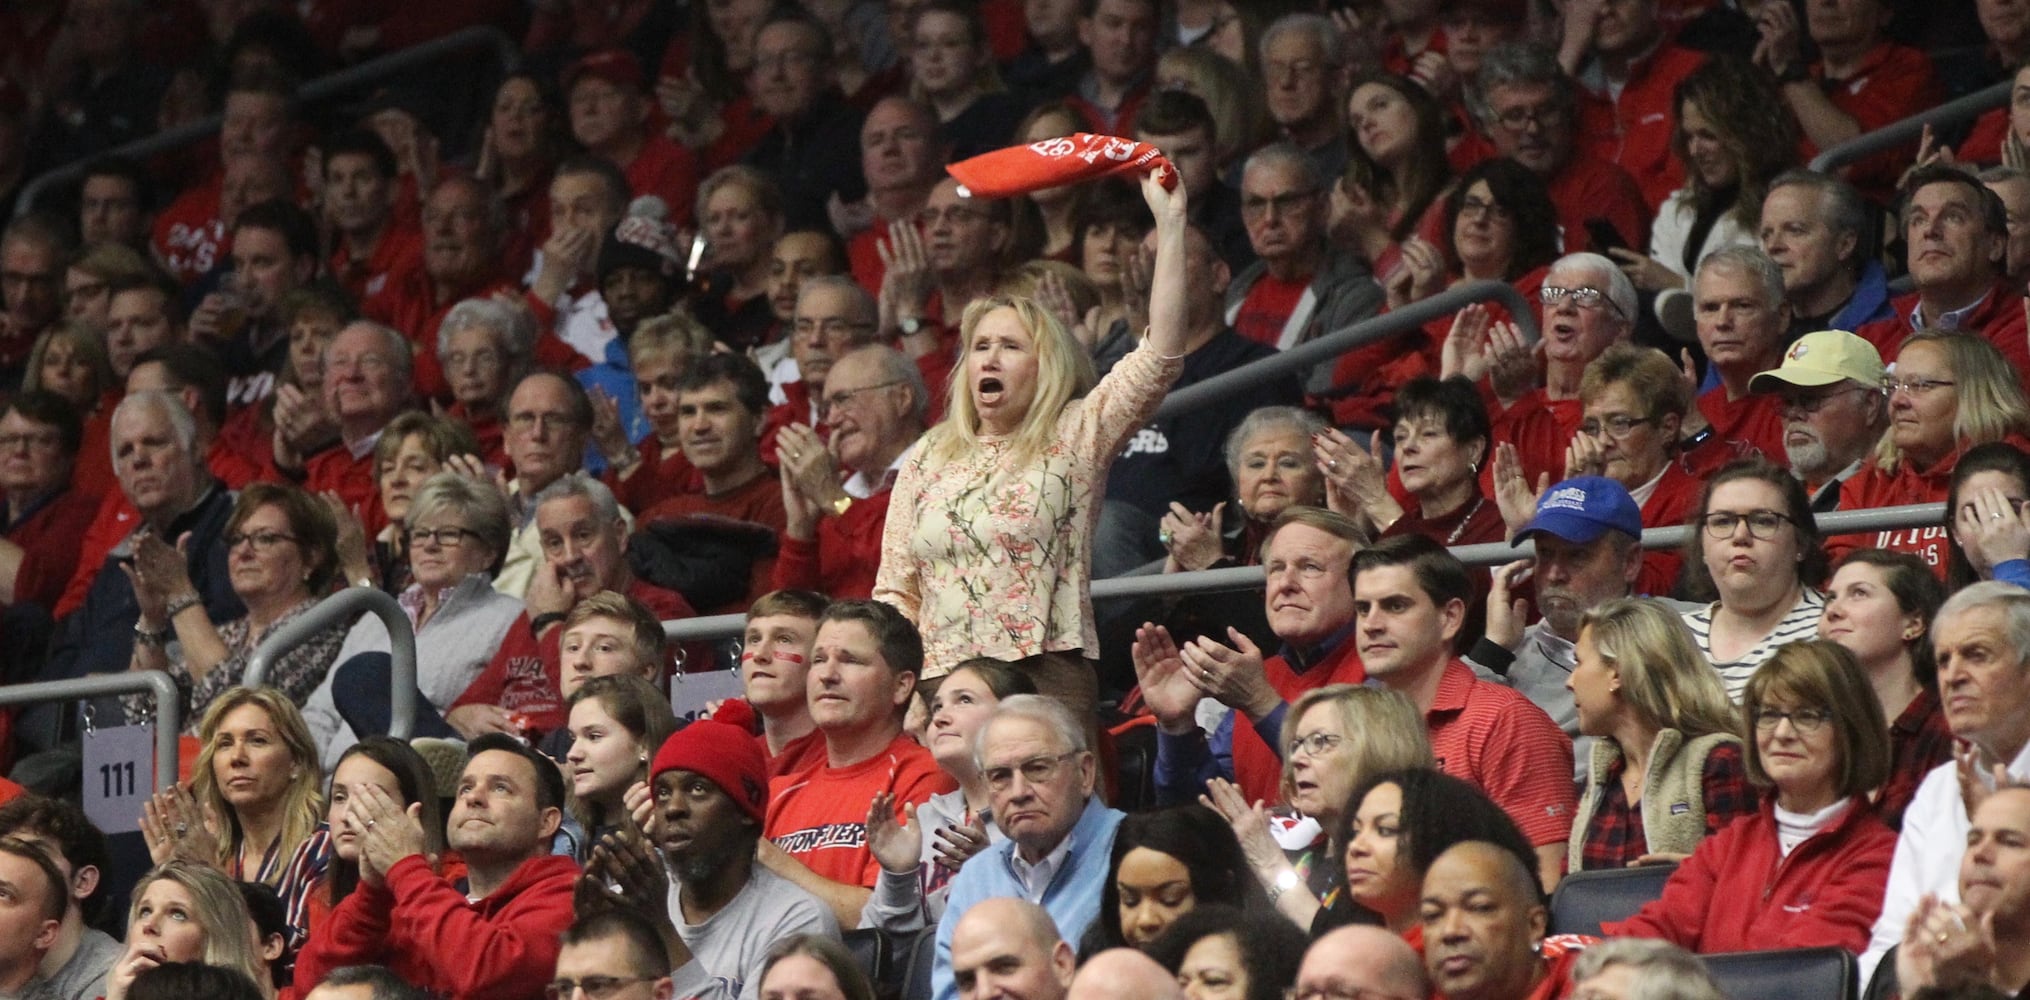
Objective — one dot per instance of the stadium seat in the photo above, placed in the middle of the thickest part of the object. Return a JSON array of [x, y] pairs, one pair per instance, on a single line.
[[1585, 900], [873, 952], [922, 958], [1796, 974], [1883, 985]]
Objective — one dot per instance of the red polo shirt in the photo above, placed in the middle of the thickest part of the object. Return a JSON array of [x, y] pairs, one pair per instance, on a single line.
[[1751, 425], [1504, 744], [1588, 187], [1634, 131]]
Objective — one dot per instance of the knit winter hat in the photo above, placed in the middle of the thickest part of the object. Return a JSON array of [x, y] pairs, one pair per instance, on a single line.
[[722, 754], [643, 239]]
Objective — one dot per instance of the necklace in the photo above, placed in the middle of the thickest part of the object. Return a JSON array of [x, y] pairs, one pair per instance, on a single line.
[[1453, 538]]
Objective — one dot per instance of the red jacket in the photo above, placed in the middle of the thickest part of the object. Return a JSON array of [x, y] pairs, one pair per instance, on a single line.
[[1736, 893], [420, 925], [1874, 487], [842, 559], [1634, 131], [1676, 496], [1893, 82], [1998, 317]]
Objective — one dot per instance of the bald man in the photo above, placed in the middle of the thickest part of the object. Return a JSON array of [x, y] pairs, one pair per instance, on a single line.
[[1124, 974], [1361, 961], [1484, 917], [1009, 949]]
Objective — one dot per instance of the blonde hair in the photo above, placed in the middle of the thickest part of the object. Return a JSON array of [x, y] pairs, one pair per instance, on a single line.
[[1064, 373], [1991, 403], [302, 803], [1384, 732], [220, 910], [676, 334], [1664, 679]]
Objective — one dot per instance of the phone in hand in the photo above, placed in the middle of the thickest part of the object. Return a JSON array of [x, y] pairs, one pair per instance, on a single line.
[[1601, 236]]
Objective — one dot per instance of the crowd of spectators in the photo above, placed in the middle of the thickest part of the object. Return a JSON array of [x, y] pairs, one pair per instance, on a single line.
[[681, 314]]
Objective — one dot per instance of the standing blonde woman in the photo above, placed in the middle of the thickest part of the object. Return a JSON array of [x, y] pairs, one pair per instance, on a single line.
[[1667, 768], [986, 543], [1337, 737]]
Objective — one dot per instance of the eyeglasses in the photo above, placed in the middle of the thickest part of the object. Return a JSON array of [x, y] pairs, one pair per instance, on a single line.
[[1519, 119], [596, 987], [364, 362], [1616, 426], [35, 439], [1257, 206], [1762, 524], [1808, 405], [1316, 744], [845, 397], [1916, 386], [450, 538], [1337, 992], [1035, 771], [526, 422], [263, 540], [1491, 211], [1804, 720], [1586, 297]]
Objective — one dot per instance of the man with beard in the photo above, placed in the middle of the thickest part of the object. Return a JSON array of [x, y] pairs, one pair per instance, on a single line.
[[1588, 532], [1834, 409], [710, 785], [490, 935]]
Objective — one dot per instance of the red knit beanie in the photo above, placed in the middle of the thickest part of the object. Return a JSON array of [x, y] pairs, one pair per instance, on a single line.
[[723, 755]]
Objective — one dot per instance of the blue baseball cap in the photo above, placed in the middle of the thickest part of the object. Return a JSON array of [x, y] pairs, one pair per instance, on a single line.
[[1582, 509]]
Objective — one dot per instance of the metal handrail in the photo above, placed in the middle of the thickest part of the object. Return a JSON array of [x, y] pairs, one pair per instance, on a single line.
[[330, 85], [1314, 352], [345, 606], [168, 710], [1233, 578], [1905, 131]]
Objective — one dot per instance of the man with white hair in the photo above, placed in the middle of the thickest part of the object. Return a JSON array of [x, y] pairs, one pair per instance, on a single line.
[[366, 384], [1981, 638], [1304, 68], [1834, 408], [1815, 227], [155, 456], [1040, 774], [1743, 316], [1588, 305]]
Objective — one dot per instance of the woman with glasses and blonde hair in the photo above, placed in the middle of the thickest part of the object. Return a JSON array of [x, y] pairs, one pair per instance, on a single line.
[[183, 911], [281, 557], [1338, 736], [254, 794], [1809, 868], [457, 532], [986, 542], [1667, 769], [1756, 553], [1951, 392]]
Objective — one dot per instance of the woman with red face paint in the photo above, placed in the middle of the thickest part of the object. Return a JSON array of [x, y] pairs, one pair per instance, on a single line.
[[987, 542]]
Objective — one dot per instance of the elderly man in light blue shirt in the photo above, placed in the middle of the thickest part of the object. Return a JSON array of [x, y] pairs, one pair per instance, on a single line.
[[1040, 774]]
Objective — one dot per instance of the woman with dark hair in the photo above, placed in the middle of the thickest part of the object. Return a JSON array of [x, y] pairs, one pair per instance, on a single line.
[[1164, 864], [1500, 225], [1395, 825], [523, 141], [919, 858], [1989, 480], [325, 870], [1442, 438], [1808, 870], [193, 981], [1756, 547], [1880, 605], [1731, 143], [1396, 170], [1221, 952], [1107, 229], [810, 967]]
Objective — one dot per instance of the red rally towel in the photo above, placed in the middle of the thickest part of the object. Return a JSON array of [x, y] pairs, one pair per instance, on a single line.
[[1050, 163]]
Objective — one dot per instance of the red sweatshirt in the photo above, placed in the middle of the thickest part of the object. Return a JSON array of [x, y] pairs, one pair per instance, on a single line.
[[1736, 893], [1874, 487], [419, 925], [842, 559]]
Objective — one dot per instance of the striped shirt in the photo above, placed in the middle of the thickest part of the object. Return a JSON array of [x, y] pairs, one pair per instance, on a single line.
[[1800, 624]]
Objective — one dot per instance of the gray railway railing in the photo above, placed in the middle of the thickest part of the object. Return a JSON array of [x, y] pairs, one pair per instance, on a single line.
[[1236, 578], [1315, 352], [348, 80], [339, 608], [1906, 131], [168, 711]]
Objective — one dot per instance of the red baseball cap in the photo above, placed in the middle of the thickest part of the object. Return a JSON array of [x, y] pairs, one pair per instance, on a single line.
[[616, 66]]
